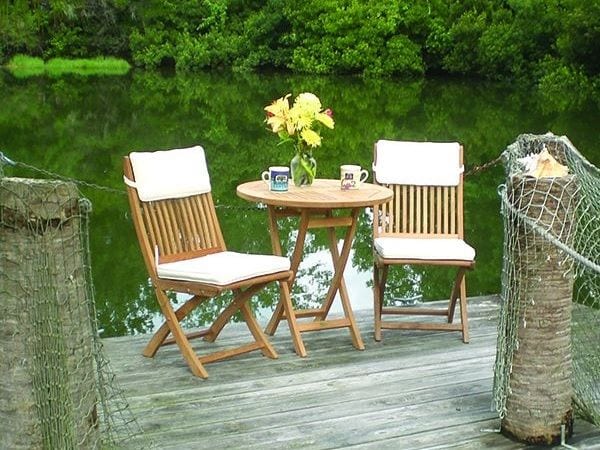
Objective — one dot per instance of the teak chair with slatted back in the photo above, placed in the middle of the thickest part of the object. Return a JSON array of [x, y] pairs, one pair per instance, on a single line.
[[422, 224], [184, 251]]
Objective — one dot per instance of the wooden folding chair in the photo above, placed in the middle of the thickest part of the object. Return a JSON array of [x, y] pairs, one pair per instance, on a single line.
[[422, 224], [184, 251]]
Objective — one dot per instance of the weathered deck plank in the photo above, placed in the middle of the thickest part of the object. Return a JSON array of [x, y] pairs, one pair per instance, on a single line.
[[412, 390]]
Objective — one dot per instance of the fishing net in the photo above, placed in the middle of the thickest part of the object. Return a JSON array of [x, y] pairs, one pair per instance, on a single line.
[[552, 261], [57, 390]]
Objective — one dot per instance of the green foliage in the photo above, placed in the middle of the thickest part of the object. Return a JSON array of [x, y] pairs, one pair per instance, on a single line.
[[24, 66], [493, 39], [263, 40], [563, 87], [20, 29], [351, 37], [93, 66], [578, 41], [151, 49], [499, 54], [191, 34], [517, 39], [464, 35], [64, 28]]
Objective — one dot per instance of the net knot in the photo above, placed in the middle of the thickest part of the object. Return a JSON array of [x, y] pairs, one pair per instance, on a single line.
[[5, 161], [85, 205]]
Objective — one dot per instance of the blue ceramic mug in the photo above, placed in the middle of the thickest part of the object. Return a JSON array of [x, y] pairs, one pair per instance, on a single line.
[[277, 177]]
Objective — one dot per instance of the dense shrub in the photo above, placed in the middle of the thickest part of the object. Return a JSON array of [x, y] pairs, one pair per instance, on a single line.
[[578, 40], [493, 39], [351, 37], [463, 39]]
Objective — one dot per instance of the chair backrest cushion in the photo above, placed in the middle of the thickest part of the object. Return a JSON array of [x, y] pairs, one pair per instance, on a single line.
[[417, 163], [168, 174]]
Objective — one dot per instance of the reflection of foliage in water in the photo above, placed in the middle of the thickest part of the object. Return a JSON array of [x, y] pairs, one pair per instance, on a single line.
[[82, 128]]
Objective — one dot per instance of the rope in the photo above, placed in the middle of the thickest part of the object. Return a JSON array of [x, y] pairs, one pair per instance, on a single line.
[[488, 165], [54, 175], [4, 160]]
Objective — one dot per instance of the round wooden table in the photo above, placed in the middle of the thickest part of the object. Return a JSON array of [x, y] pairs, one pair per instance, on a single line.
[[315, 205]]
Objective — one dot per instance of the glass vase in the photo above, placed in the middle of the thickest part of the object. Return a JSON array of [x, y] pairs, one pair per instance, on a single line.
[[303, 169]]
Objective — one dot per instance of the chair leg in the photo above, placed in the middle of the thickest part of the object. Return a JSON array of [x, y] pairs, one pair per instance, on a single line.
[[455, 294], [217, 326], [178, 334], [459, 292], [286, 304], [260, 337], [223, 318], [276, 317], [463, 311], [163, 331], [379, 279]]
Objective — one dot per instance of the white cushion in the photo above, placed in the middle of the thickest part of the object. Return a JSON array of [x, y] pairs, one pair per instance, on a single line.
[[173, 173], [418, 163], [425, 249], [223, 268]]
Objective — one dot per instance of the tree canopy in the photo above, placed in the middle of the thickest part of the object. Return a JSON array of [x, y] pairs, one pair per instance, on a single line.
[[549, 42]]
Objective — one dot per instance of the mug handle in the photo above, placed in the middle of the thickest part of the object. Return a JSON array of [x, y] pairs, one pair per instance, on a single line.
[[364, 174], [266, 177]]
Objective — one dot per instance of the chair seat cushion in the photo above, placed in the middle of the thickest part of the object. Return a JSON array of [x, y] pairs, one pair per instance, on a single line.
[[424, 249], [223, 268]]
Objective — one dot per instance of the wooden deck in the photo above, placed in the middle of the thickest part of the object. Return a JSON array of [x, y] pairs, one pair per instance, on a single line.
[[413, 390]]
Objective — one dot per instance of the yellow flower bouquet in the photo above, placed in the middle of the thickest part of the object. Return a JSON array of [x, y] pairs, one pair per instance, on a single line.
[[300, 125]]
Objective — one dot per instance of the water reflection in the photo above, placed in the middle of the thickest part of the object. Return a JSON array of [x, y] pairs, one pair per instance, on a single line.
[[81, 127]]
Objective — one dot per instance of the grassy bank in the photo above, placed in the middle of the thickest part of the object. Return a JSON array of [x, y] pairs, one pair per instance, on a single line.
[[26, 66]]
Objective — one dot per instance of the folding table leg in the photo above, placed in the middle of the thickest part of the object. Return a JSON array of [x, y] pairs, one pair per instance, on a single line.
[[285, 306], [338, 284]]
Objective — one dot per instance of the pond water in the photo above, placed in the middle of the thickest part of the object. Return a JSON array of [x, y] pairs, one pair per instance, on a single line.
[[80, 128]]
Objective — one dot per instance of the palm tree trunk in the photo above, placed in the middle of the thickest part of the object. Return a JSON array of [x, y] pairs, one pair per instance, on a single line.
[[540, 389]]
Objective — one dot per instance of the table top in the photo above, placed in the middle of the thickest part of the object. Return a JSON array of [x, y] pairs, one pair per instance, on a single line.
[[326, 194]]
